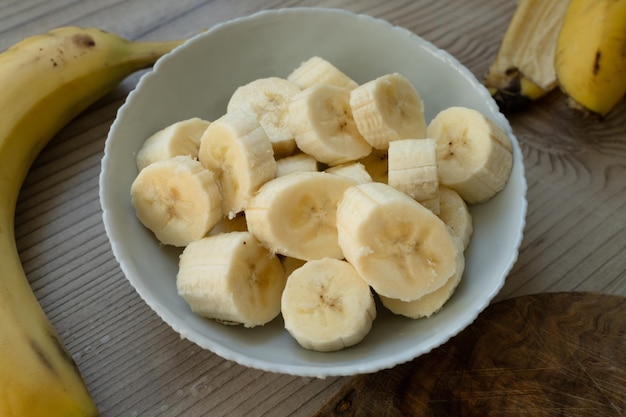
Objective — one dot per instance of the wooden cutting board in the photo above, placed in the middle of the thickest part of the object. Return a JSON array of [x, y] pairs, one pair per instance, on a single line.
[[560, 354]]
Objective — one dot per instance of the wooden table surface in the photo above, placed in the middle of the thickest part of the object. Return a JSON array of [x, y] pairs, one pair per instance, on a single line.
[[133, 363]]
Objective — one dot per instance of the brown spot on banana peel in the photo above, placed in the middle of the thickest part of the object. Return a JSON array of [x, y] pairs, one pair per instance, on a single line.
[[83, 40], [43, 357], [596, 63]]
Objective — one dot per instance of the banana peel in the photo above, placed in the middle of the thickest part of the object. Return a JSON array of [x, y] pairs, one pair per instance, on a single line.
[[523, 70], [575, 46], [590, 60]]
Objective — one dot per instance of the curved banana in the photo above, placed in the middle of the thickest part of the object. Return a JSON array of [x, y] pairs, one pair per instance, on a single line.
[[48, 79], [590, 58]]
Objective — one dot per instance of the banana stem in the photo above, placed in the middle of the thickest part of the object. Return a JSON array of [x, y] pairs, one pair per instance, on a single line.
[[146, 53]]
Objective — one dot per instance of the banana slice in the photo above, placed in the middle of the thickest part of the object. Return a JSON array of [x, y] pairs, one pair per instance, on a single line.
[[413, 170], [474, 154], [387, 109], [300, 162], [294, 215], [455, 213], [321, 121], [399, 247], [327, 306], [236, 148], [317, 70], [377, 165], [268, 99], [180, 138], [231, 278], [353, 170], [177, 199], [430, 303]]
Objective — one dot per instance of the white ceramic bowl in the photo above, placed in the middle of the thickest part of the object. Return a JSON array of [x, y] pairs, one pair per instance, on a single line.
[[198, 78]]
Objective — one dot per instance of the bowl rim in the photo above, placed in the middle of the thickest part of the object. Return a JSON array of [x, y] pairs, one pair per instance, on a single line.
[[332, 369]]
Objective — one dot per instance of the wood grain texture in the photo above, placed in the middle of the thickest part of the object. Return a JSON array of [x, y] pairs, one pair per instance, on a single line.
[[576, 170], [133, 363], [557, 354]]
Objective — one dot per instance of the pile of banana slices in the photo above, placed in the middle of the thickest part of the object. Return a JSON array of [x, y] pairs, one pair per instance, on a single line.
[[313, 194]]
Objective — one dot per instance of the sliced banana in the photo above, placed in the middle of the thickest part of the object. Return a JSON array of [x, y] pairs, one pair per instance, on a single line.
[[388, 108], [177, 199], [268, 99], [317, 70], [232, 278], [353, 170], [399, 247], [294, 215], [413, 170], [377, 165], [321, 121], [430, 303], [265, 231], [180, 138], [236, 148], [474, 154], [455, 213], [300, 162], [327, 306]]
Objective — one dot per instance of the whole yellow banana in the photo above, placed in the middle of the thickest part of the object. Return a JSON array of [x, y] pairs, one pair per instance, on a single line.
[[590, 57], [46, 81]]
